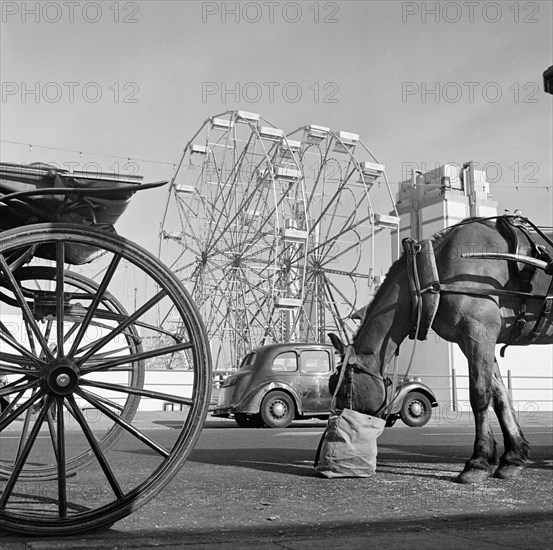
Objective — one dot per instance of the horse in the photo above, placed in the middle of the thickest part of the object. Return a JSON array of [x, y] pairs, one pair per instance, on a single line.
[[477, 285]]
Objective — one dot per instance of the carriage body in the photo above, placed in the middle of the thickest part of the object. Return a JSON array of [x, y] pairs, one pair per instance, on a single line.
[[42, 193], [84, 314]]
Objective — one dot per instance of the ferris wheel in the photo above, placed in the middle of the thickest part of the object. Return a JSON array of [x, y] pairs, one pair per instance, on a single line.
[[272, 234]]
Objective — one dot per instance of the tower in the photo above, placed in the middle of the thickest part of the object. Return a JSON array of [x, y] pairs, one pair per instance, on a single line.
[[431, 201]]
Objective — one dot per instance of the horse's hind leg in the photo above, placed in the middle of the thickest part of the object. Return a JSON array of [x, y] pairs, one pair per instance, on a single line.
[[484, 457], [515, 455]]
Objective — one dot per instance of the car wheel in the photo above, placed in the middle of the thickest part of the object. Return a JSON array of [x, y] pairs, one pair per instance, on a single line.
[[248, 420], [277, 409], [416, 409]]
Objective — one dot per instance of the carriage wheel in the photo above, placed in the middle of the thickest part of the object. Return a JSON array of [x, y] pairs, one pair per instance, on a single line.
[[76, 373], [34, 283]]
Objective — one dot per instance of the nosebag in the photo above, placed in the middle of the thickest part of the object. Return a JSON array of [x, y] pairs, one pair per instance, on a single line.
[[348, 446]]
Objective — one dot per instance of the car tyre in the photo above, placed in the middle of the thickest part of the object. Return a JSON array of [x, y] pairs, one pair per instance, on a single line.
[[416, 409], [391, 420], [278, 409], [248, 420]]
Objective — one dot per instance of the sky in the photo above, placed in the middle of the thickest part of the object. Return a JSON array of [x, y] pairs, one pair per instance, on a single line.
[[125, 85]]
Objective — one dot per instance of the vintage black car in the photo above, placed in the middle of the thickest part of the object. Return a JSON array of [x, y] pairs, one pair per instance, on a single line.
[[279, 383], [4, 402]]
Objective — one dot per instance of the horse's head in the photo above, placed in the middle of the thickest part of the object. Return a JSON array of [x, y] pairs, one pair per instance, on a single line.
[[363, 388]]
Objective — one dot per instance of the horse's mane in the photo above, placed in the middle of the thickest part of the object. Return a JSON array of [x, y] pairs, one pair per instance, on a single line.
[[397, 267]]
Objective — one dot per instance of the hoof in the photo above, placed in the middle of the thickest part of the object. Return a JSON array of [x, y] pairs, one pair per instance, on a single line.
[[508, 471], [473, 476]]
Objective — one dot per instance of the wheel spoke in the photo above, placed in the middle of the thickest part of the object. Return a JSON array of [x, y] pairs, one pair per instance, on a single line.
[[66, 336], [13, 386], [106, 468], [119, 329], [95, 303], [20, 410], [60, 296], [27, 314], [106, 401], [60, 457], [52, 427], [22, 457], [138, 391], [11, 406], [99, 357], [6, 336], [136, 357], [92, 399], [25, 427]]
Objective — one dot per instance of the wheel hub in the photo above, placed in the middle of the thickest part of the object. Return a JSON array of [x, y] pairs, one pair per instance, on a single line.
[[61, 377], [279, 410], [416, 408]]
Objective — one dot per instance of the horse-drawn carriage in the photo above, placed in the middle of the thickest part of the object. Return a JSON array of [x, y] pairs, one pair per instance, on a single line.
[[84, 312]]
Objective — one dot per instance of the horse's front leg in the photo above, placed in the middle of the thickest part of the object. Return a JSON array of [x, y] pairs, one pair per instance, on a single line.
[[515, 456], [480, 355]]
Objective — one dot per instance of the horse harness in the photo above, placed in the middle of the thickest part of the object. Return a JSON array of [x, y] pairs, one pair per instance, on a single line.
[[350, 362], [425, 285]]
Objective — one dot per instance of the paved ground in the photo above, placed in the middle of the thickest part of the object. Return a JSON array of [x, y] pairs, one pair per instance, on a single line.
[[255, 489]]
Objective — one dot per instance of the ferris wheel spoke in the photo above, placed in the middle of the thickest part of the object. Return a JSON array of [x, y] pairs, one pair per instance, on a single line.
[[219, 314], [262, 220], [333, 308], [334, 287], [225, 200], [226, 226], [318, 174], [185, 267]]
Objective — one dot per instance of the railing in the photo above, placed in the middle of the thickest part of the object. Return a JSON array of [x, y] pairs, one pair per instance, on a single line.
[[514, 387]]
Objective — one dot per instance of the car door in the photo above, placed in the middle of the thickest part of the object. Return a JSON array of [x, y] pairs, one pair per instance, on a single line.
[[315, 369]]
